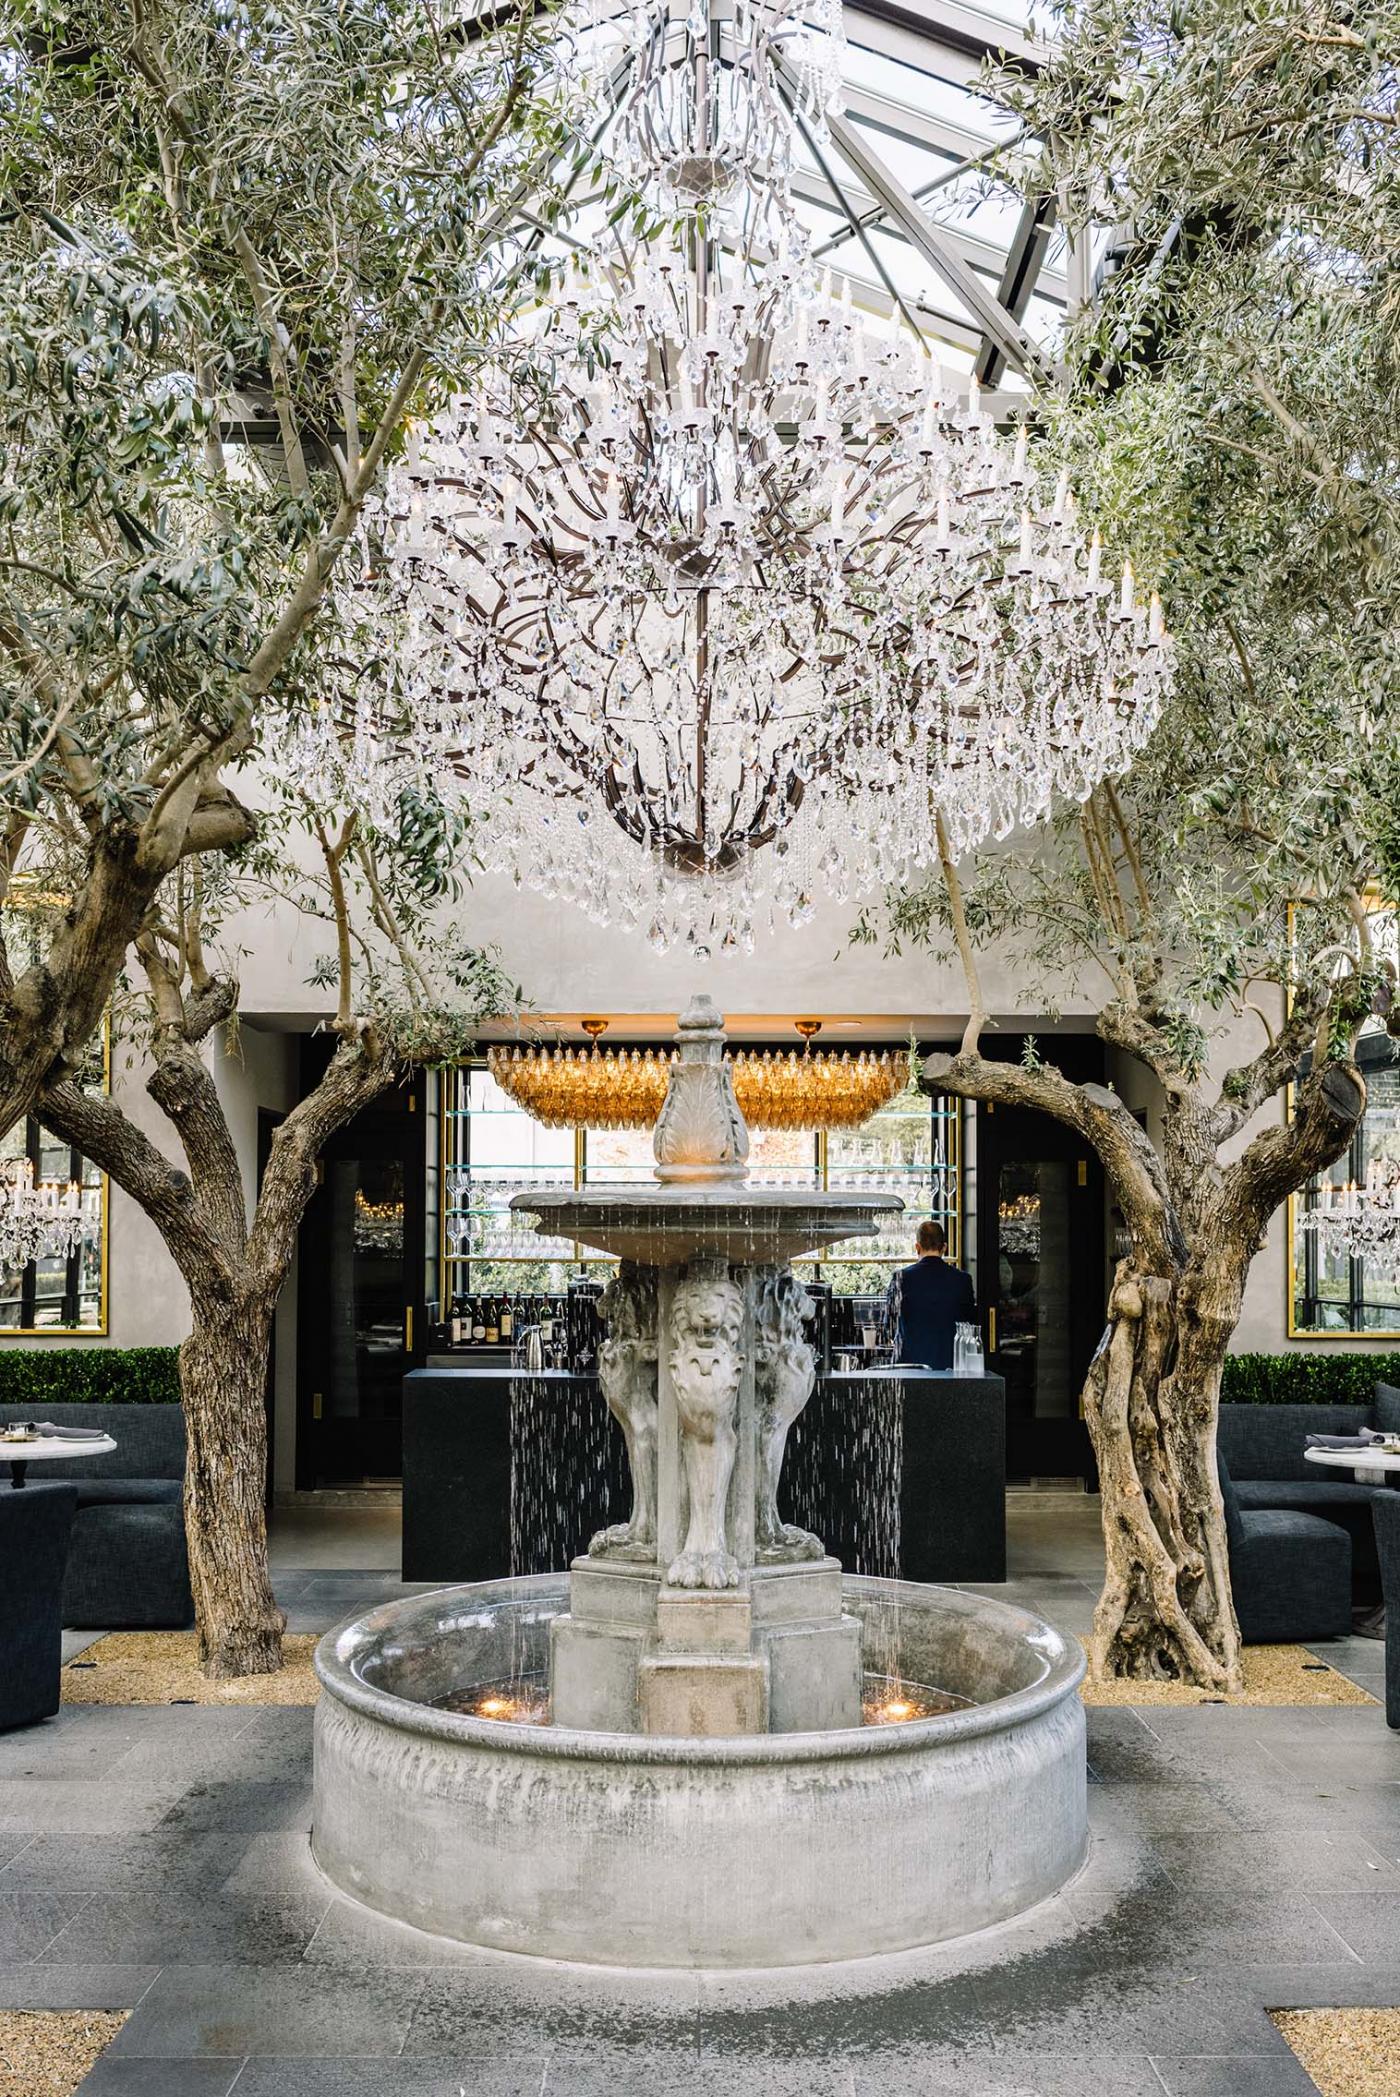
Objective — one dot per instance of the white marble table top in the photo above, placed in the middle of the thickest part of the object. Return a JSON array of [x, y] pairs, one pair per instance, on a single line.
[[1367, 1466], [42, 1446]]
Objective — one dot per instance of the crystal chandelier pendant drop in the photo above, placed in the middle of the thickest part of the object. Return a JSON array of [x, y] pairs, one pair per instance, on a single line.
[[718, 591]]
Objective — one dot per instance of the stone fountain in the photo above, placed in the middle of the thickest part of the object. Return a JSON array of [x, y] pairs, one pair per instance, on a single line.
[[705, 1792]]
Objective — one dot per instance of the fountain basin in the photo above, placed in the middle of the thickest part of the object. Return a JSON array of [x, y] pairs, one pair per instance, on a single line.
[[750, 1850]]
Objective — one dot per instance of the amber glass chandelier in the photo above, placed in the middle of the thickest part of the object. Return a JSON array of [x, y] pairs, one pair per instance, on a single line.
[[598, 1088]]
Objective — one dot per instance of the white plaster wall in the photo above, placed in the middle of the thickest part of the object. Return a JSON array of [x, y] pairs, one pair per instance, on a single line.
[[567, 964]]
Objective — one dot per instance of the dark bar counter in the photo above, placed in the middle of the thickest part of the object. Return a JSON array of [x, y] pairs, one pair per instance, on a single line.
[[897, 1470]]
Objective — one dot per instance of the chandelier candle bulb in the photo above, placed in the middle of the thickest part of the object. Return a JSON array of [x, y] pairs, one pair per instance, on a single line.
[[1126, 601], [1095, 560]]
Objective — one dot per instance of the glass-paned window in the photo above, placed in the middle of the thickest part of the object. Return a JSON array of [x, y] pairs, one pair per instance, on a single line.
[[492, 1149], [60, 1292], [909, 1148]]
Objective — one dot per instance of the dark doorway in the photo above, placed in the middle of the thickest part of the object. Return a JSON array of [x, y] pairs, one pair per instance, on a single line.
[[1041, 1282], [358, 1316]]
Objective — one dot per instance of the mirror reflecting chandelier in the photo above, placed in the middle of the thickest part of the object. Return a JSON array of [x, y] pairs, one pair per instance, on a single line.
[[1361, 1223], [717, 590], [38, 1219]]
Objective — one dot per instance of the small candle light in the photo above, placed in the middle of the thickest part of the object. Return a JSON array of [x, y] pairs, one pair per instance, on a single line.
[[1125, 602]]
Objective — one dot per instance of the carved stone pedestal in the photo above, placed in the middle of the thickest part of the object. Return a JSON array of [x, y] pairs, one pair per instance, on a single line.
[[774, 1654], [704, 1613]]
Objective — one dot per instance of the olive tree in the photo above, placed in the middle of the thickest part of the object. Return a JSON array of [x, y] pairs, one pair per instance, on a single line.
[[1232, 416], [239, 245], [379, 888]]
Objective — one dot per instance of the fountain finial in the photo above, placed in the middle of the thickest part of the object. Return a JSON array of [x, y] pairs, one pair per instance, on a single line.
[[701, 1137]]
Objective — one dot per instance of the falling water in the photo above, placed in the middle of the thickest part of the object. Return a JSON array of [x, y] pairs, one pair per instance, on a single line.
[[568, 1469], [845, 1472]]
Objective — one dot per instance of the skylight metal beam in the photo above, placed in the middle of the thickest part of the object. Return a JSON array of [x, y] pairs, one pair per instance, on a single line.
[[996, 323]]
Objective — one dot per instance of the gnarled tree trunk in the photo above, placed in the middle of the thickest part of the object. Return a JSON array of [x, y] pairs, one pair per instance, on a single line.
[[223, 1383], [1152, 1396], [1150, 1402]]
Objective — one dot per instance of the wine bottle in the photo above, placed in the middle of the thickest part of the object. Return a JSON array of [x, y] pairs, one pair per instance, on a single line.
[[507, 1323], [493, 1325], [455, 1327], [478, 1321]]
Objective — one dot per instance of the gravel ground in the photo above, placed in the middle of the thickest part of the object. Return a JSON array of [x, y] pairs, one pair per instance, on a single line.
[[1348, 2053], [162, 1667], [46, 2053], [1272, 1675]]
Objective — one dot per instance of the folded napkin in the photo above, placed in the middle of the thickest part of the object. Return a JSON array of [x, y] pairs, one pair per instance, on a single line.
[[1364, 1440], [68, 1434]]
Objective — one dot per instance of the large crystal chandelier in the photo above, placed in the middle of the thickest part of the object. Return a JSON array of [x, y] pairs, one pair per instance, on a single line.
[[718, 590]]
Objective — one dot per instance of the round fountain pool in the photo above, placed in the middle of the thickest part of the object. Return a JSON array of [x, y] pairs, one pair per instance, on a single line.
[[762, 1849]]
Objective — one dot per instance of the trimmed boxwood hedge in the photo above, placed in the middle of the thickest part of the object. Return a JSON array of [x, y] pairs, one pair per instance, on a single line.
[[1306, 1379], [41, 1376]]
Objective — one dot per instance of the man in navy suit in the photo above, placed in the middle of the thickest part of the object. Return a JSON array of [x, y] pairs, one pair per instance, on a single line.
[[927, 1300]]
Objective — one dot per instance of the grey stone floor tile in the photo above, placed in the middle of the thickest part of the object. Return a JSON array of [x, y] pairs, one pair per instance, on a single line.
[[161, 1860], [149, 1725], [296, 2011], [229, 1803], [1102, 2008], [349, 1935], [13, 1845], [687, 2077], [1273, 1861], [277, 1866], [61, 1751], [1014, 2075], [515, 2009], [32, 1987], [128, 2078], [40, 1804], [72, 1643], [1233, 1930], [398, 2078], [1234, 2075], [945, 2015], [1347, 1985], [32, 1916], [1367, 1921], [142, 1928], [1343, 1761], [1160, 1809], [250, 1757]]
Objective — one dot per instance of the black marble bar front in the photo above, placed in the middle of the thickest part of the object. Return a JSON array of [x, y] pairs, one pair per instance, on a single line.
[[901, 1471]]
